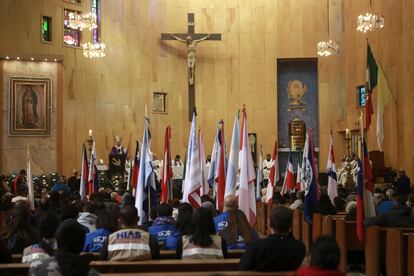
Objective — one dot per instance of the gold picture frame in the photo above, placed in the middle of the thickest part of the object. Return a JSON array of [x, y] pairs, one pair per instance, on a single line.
[[30, 106], [159, 102]]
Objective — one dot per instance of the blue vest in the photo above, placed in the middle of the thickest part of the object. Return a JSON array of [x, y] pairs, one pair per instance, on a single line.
[[161, 232], [171, 241], [95, 240], [221, 221]]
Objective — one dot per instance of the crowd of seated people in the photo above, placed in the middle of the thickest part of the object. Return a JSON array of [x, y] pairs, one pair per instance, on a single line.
[[62, 226]]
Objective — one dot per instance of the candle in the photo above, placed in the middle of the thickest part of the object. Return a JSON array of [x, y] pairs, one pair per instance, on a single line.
[[146, 111], [90, 133], [347, 133]]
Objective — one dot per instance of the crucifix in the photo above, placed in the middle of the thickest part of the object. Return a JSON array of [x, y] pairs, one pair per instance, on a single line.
[[190, 39]]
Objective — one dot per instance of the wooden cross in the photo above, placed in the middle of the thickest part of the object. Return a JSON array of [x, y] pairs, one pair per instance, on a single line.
[[191, 39]]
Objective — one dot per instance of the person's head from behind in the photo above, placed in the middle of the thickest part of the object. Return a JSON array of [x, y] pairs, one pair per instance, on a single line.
[[202, 227], [17, 223], [237, 225], [69, 211], [48, 224], [106, 220], [70, 237], [399, 200], [324, 198], [128, 199], [339, 203], [62, 179], [325, 253], [231, 203], [128, 217], [389, 193], [184, 218], [164, 210], [281, 219]]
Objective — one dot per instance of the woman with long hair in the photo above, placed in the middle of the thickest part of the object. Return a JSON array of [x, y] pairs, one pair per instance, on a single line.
[[238, 233], [106, 224], [182, 227], [202, 242], [17, 232]]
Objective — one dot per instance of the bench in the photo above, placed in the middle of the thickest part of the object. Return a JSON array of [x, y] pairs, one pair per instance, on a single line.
[[396, 251], [261, 217], [297, 224], [306, 234], [200, 273], [165, 266], [410, 254], [346, 237]]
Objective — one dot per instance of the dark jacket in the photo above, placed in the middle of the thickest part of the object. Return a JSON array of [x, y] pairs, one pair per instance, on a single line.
[[398, 216], [274, 253]]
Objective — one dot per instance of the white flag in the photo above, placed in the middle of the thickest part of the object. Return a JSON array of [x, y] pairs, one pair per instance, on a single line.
[[331, 172], [30, 180], [232, 168]]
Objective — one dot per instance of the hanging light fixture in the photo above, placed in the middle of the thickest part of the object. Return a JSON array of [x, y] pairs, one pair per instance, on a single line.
[[82, 21], [370, 22], [328, 48], [96, 50]]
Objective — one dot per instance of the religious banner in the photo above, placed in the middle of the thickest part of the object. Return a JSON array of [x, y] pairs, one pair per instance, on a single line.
[[297, 101], [29, 107]]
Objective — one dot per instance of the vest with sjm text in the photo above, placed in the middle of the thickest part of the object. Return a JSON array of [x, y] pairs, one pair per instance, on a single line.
[[192, 251], [129, 245]]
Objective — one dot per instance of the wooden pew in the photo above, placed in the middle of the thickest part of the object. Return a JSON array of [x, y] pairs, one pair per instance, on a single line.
[[297, 224], [316, 226], [396, 251], [410, 254], [261, 217], [345, 234], [306, 234], [373, 250], [206, 273], [166, 266]]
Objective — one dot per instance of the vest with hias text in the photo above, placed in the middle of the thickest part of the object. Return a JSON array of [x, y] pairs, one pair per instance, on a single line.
[[129, 245], [192, 251]]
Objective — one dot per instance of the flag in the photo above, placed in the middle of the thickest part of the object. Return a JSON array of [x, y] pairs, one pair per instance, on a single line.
[[247, 202], [84, 174], [167, 173], [309, 179], [221, 169], [202, 160], [192, 178], [145, 195], [289, 181], [273, 175], [232, 166], [259, 178], [212, 173], [331, 172], [92, 173], [382, 100], [30, 180], [371, 79], [135, 169], [298, 177]]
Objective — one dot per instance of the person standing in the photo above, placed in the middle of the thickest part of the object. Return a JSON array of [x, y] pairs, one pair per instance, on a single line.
[[74, 182]]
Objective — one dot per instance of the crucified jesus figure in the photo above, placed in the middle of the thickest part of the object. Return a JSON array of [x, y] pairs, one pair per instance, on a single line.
[[191, 55]]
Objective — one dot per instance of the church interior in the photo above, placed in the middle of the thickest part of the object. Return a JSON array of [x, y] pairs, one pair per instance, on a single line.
[[291, 65]]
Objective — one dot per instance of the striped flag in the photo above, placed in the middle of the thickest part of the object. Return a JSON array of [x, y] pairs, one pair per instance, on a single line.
[[192, 178], [145, 196], [221, 169], [232, 167], [30, 180], [212, 173], [167, 173], [135, 169], [289, 180], [202, 160], [331, 172], [371, 80], [309, 179], [298, 177], [273, 175], [259, 178], [92, 176], [247, 202], [84, 174], [384, 91]]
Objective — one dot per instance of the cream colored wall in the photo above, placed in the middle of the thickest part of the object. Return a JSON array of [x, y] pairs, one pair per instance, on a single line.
[[109, 95]]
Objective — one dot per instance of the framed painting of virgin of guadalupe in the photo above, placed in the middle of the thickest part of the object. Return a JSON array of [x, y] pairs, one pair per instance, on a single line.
[[29, 106]]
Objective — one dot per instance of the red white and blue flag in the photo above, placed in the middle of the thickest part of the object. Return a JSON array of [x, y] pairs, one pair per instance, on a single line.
[[93, 175], [135, 169], [289, 181], [331, 172], [84, 174], [202, 160], [259, 178], [221, 169]]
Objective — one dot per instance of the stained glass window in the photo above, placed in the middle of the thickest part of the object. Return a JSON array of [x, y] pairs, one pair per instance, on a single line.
[[71, 37], [96, 33], [46, 28]]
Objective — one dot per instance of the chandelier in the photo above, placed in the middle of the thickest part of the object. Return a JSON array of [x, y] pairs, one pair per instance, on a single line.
[[370, 22], [82, 21], [328, 48], [96, 50]]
